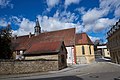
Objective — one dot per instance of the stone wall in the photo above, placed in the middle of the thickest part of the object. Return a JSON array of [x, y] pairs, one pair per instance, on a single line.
[[85, 59], [16, 67], [47, 57]]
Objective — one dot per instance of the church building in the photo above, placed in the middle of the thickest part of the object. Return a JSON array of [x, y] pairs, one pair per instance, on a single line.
[[24, 45]]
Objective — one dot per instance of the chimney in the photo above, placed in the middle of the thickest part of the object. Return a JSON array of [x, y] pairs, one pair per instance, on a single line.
[[30, 35], [15, 37]]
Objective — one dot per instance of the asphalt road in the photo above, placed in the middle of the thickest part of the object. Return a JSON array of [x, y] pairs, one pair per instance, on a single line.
[[95, 71]]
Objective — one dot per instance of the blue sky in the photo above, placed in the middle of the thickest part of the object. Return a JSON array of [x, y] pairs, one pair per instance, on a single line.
[[95, 17]]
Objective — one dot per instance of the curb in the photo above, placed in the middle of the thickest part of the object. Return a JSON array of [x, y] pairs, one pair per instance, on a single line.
[[114, 64]]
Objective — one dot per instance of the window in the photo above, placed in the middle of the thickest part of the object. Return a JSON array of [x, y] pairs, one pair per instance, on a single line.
[[83, 50], [62, 48], [62, 59], [90, 49], [21, 52]]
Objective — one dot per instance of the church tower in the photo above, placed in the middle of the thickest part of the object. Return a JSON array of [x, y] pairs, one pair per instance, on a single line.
[[37, 28]]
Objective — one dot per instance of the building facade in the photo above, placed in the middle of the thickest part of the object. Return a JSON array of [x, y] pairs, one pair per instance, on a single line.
[[114, 42], [103, 51], [84, 49], [48, 51]]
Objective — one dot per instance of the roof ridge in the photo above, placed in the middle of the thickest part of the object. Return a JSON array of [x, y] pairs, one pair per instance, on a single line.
[[59, 30], [88, 39], [83, 38], [82, 33], [49, 32]]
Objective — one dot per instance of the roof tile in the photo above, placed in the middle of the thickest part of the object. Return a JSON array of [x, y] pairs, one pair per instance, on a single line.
[[44, 47], [66, 35], [82, 38]]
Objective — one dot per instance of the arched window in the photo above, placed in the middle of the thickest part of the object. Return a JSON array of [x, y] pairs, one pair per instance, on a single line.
[[83, 50]]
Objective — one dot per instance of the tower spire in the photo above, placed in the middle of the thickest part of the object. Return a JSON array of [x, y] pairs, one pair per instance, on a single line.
[[37, 22], [37, 28]]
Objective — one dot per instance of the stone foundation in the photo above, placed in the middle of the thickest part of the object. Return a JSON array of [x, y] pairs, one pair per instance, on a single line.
[[85, 59]]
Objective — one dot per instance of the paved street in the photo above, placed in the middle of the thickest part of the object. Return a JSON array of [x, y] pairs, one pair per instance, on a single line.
[[95, 71]]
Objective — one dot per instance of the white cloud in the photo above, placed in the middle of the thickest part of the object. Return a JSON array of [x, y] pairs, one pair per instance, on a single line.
[[87, 27], [3, 23], [99, 25], [66, 16], [16, 20], [46, 23], [60, 20], [26, 26], [109, 3], [69, 2], [94, 38], [54, 23], [93, 15], [117, 12], [52, 3], [103, 23], [5, 3], [81, 10], [93, 18], [112, 5]]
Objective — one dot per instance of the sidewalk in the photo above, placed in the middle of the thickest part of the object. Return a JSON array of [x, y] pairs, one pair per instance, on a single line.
[[97, 67], [42, 73]]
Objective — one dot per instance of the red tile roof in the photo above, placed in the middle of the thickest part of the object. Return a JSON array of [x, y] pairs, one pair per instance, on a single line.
[[82, 38], [66, 35], [44, 47]]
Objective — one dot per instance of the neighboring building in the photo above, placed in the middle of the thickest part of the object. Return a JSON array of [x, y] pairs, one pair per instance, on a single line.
[[48, 51], [103, 51], [84, 49], [23, 43], [114, 42]]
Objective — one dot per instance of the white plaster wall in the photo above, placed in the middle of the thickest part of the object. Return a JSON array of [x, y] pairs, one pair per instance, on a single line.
[[70, 55]]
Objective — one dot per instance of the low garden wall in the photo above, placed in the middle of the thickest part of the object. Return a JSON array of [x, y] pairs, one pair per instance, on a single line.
[[16, 67]]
